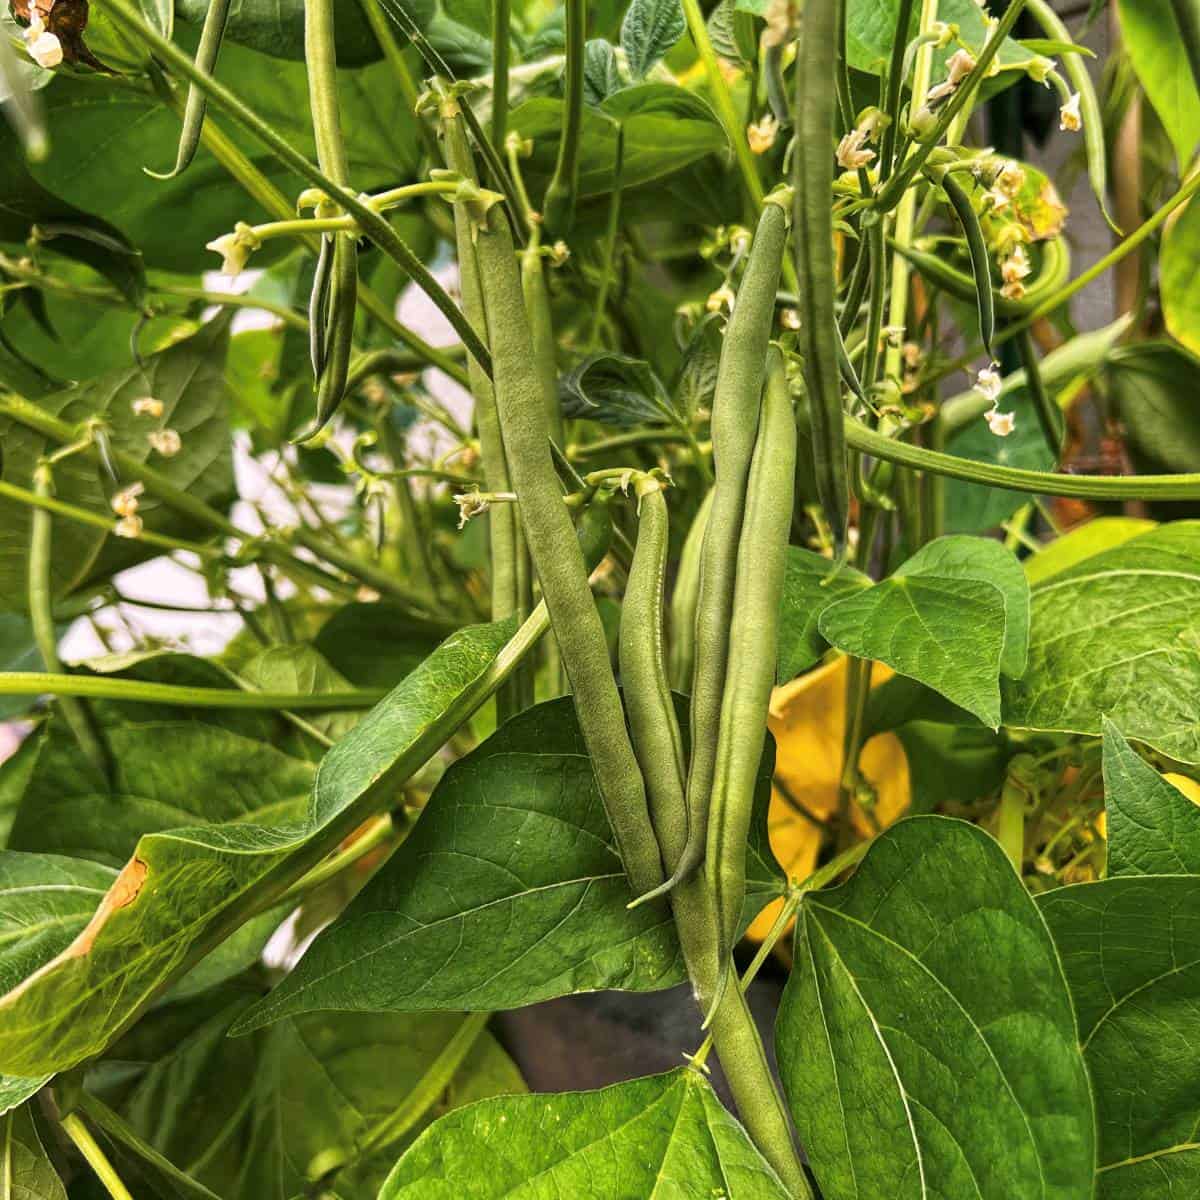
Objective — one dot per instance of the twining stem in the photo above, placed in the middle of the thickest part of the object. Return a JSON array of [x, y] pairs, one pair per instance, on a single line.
[[610, 239], [561, 194], [103, 687], [372, 224], [723, 102], [41, 618], [501, 17], [1041, 483], [73, 1126], [428, 1089]]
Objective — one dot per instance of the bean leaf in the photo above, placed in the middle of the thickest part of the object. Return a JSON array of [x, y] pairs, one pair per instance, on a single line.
[[25, 1167], [954, 616], [810, 585], [615, 389], [951, 1005], [650, 29], [1118, 634], [664, 1134], [508, 891], [185, 890]]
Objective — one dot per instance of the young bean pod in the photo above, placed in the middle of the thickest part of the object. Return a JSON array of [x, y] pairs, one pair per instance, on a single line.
[[193, 111], [509, 583], [812, 169], [683, 599], [977, 251], [735, 407], [557, 555], [559, 204], [652, 721], [753, 651]]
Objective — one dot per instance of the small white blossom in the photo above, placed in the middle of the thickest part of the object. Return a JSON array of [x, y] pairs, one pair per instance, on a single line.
[[1013, 270], [470, 504], [1000, 423], [1069, 119], [761, 134], [789, 318], [1011, 178], [43, 46], [166, 442], [988, 382], [722, 298], [559, 253], [366, 595], [125, 502], [147, 406], [128, 527], [960, 65], [235, 248], [850, 150], [911, 355]]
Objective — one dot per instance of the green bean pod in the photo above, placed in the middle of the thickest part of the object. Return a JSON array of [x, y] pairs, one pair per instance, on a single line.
[[753, 652], [510, 584], [193, 111], [856, 289], [338, 331], [735, 408], [977, 251], [318, 300], [1055, 267], [812, 172], [1089, 104], [653, 724], [682, 626], [1049, 415], [557, 556]]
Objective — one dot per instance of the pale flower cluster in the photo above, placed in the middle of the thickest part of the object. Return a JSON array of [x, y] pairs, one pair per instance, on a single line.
[[42, 46]]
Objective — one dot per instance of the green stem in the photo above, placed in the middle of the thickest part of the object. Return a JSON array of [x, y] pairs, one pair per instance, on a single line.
[[1042, 483], [559, 204], [378, 832], [378, 362], [501, 18], [723, 102], [404, 79], [72, 1125], [102, 687], [428, 1090], [889, 196], [610, 240], [373, 225]]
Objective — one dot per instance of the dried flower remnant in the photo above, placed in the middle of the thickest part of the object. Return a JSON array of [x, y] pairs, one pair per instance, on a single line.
[[166, 442], [147, 406], [1069, 118]]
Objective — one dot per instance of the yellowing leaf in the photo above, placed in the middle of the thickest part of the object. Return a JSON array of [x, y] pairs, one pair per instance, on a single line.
[[808, 722]]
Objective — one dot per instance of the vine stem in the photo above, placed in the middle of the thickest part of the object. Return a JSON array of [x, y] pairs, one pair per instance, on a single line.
[[73, 1126], [1041, 483], [101, 687], [375, 834], [558, 206], [372, 223]]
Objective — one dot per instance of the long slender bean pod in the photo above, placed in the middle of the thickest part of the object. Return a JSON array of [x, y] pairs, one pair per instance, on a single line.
[[977, 251], [1089, 103], [1049, 415], [753, 639], [193, 112], [337, 298], [735, 407], [557, 556], [41, 619], [682, 625], [895, 88], [812, 172], [317, 304], [857, 287], [1055, 267], [508, 587], [652, 721], [559, 204]]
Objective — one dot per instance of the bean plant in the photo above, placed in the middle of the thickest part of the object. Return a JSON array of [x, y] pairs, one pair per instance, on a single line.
[[466, 466]]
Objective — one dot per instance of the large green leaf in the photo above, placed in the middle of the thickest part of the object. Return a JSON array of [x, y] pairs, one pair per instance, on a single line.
[[649, 30], [508, 891], [1155, 46], [954, 616], [666, 129], [1118, 635], [1131, 951], [45, 902], [810, 584], [1153, 828], [185, 890], [1154, 385], [1100, 533], [171, 220], [26, 1171], [187, 378], [926, 1039], [1178, 283], [375, 645], [665, 1135], [260, 1119]]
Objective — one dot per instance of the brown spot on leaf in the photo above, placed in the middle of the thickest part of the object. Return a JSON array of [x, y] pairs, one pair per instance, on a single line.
[[123, 892]]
